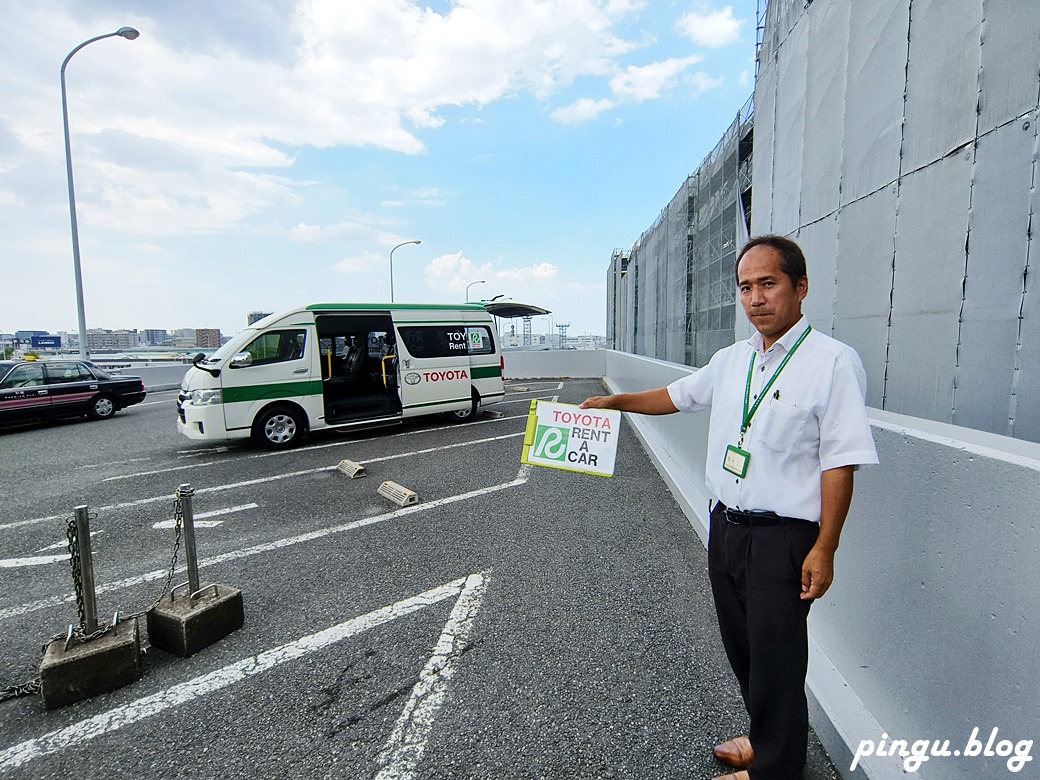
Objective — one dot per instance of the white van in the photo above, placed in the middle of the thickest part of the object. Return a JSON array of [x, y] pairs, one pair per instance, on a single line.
[[345, 364]]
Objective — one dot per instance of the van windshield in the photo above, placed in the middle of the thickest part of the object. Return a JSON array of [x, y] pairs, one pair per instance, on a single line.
[[227, 348]]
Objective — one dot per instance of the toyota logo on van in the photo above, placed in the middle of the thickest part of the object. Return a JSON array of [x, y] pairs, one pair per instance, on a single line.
[[412, 378]]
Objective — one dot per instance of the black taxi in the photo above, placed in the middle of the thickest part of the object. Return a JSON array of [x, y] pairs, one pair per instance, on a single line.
[[48, 389]]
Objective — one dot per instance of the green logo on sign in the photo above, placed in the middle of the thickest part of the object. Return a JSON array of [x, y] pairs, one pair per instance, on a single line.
[[550, 442]]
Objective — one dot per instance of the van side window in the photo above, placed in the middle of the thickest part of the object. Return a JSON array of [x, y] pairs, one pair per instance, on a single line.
[[277, 346], [433, 341], [478, 340]]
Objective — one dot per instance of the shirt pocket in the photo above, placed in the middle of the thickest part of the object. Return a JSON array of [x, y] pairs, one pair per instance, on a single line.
[[786, 428]]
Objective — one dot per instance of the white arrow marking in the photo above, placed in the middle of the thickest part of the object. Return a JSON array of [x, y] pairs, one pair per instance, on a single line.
[[200, 522], [114, 719]]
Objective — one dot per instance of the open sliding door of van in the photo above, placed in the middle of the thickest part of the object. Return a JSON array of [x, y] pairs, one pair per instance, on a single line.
[[358, 367]]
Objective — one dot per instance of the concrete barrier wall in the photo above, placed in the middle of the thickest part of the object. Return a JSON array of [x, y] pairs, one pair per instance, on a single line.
[[166, 376], [931, 627], [574, 363]]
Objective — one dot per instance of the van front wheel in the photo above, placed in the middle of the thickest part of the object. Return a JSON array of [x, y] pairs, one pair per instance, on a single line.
[[277, 428]]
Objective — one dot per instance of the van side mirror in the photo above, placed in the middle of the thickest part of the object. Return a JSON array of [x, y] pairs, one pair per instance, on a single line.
[[214, 372], [241, 360]]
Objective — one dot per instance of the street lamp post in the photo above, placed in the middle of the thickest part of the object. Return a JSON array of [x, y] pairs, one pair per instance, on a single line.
[[470, 285], [414, 241], [130, 34]]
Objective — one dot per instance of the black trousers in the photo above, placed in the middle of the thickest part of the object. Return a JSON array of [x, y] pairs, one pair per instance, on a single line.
[[756, 580]]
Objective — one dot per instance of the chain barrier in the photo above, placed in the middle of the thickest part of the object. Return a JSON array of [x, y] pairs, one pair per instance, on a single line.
[[33, 687]]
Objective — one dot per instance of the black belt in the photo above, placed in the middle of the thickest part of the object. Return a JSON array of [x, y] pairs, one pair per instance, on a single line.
[[757, 518]]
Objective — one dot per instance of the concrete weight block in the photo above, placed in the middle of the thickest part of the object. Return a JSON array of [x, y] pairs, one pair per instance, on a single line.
[[87, 669], [184, 626]]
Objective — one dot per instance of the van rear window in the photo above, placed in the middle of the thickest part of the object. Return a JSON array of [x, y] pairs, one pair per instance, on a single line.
[[433, 341]]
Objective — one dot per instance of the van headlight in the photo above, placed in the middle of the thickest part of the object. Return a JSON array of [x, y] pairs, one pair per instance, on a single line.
[[204, 397]]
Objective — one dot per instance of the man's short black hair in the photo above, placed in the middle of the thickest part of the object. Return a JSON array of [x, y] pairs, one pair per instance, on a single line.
[[792, 261]]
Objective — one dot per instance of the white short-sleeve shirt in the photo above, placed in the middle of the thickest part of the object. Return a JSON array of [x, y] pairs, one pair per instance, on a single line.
[[813, 418]]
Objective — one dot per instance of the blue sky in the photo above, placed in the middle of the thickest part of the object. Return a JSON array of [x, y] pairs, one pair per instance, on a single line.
[[262, 155]]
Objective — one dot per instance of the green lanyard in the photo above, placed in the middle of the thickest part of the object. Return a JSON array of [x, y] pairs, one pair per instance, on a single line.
[[749, 413]]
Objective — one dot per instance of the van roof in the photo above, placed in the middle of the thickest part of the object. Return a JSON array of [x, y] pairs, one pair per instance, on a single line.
[[385, 306]]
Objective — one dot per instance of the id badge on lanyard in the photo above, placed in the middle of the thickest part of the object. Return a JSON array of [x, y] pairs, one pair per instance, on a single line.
[[737, 458]]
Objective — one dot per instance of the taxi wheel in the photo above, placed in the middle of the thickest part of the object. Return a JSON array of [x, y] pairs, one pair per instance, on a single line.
[[102, 407], [278, 427]]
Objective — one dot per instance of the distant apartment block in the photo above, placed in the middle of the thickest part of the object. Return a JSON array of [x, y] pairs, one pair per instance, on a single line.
[[207, 338], [253, 316], [99, 339], [154, 338]]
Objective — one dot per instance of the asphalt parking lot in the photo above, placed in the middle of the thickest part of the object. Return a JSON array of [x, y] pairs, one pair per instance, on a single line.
[[517, 622]]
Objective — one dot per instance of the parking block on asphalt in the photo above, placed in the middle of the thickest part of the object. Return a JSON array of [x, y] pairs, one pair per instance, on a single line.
[[185, 624], [90, 668], [399, 494], [352, 469]]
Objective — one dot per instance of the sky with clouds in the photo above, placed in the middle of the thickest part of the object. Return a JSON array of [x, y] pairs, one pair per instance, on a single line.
[[263, 154]]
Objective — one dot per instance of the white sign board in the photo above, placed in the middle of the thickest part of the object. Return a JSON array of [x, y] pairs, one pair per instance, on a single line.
[[563, 436]]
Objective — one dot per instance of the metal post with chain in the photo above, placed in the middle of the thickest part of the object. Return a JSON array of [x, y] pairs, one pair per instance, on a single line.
[[33, 687]]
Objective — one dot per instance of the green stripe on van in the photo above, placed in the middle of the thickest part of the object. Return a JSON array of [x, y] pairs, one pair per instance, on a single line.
[[486, 372], [437, 403], [231, 395]]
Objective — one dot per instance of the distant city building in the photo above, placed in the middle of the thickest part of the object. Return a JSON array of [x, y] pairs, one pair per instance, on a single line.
[[27, 335], [207, 338], [154, 338], [100, 338], [253, 316], [183, 338]]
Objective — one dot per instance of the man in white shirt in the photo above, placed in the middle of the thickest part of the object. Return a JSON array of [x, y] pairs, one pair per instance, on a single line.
[[788, 427]]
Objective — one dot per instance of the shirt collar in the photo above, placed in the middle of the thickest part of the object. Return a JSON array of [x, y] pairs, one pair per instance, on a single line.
[[786, 341]]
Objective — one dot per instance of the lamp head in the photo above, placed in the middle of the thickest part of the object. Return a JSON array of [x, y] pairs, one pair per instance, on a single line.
[[128, 32]]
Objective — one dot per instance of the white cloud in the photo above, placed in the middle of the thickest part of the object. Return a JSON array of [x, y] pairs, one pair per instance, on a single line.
[[713, 29], [453, 272], [649, 82], [744, 80], [581, 110], [199, 110]]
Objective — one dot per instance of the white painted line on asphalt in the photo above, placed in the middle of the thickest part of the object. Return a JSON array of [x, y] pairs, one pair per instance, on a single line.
[[39, 560], [249, 482], [182, 693], [278, 544], [338, 444], [519, 401], [227, 511], [451, 427], [167, 524], [202, 453], [400, 757], [64, 543]]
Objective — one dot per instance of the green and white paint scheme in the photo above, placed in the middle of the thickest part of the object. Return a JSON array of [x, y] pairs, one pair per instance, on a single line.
[[342, 365]]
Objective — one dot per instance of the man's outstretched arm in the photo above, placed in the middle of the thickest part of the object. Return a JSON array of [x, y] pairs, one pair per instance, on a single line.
[[647, 402]]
